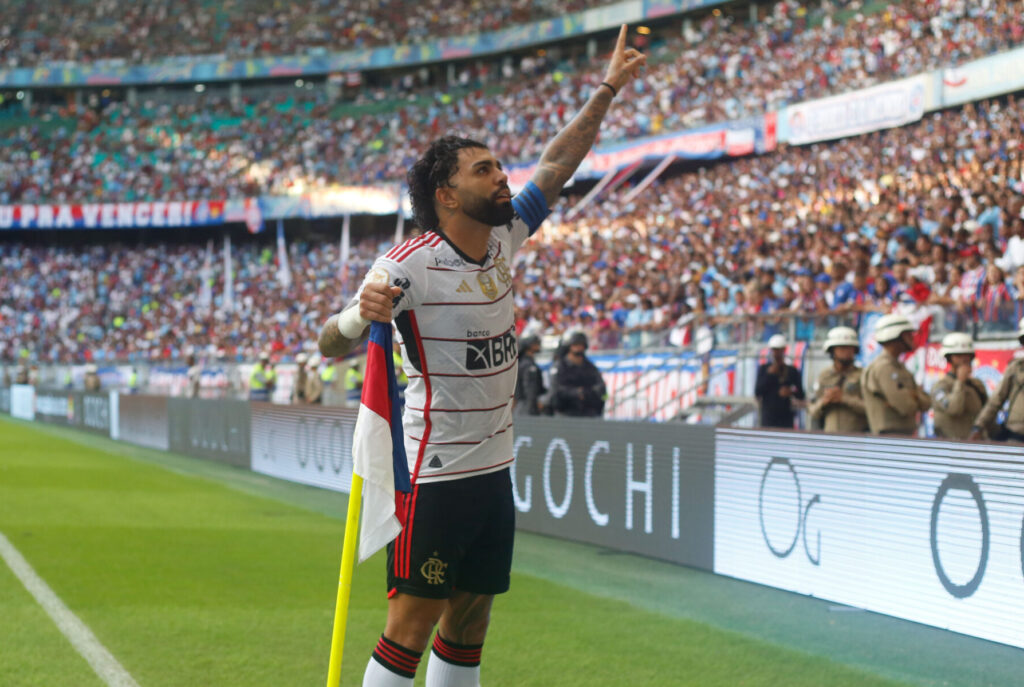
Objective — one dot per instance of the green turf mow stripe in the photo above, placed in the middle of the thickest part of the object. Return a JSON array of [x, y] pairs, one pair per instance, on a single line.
[[184, 579], [81, 637], [32, 649]]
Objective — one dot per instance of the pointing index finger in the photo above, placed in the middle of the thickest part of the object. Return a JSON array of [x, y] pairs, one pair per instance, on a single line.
[[620, 45]]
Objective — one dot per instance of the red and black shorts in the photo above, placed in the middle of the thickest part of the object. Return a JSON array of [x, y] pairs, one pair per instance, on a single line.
[[458, 535]]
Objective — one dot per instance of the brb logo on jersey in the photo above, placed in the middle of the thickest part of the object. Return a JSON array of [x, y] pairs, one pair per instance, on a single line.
[[482, 354]]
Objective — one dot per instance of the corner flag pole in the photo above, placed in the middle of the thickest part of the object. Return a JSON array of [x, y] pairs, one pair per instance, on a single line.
[[348, 562]]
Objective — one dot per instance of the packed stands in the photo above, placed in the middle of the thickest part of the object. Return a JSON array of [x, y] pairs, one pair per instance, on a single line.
[[291, 141], [86, 31], [928, 215]]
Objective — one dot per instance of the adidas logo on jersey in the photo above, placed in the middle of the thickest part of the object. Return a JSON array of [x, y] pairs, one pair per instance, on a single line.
[[435, 462], [464, 288]]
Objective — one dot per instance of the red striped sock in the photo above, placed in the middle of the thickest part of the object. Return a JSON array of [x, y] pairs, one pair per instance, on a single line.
[[458, 654], [396, 657]]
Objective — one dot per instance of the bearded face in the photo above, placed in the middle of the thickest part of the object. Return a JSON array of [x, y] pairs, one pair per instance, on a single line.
[[494, 211]]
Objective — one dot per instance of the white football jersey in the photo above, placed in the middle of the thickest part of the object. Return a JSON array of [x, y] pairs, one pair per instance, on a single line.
[[456, 322]]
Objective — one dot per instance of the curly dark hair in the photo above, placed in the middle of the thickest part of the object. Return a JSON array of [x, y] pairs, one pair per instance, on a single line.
[[432, 171]]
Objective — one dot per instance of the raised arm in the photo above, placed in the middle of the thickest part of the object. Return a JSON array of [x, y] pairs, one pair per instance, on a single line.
[[567, 149]]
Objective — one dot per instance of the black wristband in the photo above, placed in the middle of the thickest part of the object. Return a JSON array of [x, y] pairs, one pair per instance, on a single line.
[[610, 88]]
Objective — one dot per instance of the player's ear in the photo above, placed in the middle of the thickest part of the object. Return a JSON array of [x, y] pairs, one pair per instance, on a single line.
[[445, 197]]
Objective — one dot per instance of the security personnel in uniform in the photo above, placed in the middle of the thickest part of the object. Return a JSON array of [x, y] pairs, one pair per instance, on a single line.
[[133, 380], [271, 378], [957, 398], [259, 387], [1009, 389], [299, 388], [892, 398], [328, 380], [353, 383], [92, 378], [314, 385], [838, 402], [530, 384], [579, 388]]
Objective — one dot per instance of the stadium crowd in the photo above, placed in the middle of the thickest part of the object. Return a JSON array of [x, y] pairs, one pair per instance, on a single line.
[[47, 32], [212, 147], [925, 216]]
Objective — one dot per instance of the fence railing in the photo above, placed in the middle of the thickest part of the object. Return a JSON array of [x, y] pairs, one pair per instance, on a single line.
[[731, 331]]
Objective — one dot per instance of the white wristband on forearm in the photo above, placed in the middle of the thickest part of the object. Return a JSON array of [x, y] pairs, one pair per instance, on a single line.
[[351, 324]]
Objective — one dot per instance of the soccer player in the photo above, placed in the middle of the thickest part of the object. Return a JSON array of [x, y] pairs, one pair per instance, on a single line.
[[449, 292]]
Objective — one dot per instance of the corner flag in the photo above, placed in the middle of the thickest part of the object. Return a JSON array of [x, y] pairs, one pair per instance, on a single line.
[[378, 445], [379, 470]]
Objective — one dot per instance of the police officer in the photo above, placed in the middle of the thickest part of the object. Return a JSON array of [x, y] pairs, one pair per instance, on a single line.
[[957, 398], [579, 386], [328, 380], [838, 402], [530, 384], [892, 398], [299, 388], [92, 378], [353, 383], [777, 384], [259, 380], [1009, 389], [271, 378], [314, 385]]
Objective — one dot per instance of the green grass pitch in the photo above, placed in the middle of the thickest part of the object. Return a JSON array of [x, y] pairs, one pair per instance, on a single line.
[[195, 574]]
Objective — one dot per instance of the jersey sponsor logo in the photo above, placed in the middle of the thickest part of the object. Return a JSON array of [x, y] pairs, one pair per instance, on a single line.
[[449, 262], [378, 275], [433, 570], [464, 288], [494, 352], [404, 285], [487, 285]]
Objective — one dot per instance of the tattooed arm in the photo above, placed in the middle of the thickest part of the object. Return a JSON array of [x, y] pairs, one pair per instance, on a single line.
[[332, 343], [375, 303], [566, 151]]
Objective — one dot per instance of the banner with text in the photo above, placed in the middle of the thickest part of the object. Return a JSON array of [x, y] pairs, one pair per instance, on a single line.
[[857, 112], [732, 139], [113, 215], [995, 75], [920, 529], [634, 487], [307, 444]]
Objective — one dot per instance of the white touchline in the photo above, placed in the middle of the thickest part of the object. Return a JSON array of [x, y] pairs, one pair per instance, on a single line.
[[77, 632]]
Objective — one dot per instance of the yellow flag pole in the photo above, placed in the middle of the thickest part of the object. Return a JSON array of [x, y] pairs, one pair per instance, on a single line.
[[348, 561]]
